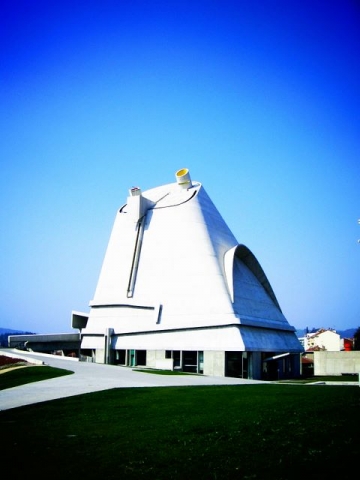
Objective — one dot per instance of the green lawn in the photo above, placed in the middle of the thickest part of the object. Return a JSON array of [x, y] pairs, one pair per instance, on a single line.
[[20, 376], [215, 432]]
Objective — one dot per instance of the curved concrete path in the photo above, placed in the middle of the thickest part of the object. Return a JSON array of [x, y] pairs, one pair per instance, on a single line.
[[92, 377]]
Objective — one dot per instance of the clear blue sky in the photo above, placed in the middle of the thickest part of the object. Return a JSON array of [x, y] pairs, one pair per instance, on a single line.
[[259, 99]]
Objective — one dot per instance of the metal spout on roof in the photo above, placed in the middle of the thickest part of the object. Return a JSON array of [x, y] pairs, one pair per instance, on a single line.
[[183, 178]]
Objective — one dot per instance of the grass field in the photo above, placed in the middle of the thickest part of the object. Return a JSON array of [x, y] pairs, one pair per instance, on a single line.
[[20, 376], [215, 432]]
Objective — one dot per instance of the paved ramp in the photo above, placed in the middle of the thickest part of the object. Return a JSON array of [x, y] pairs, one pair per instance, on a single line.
[[92, 377]]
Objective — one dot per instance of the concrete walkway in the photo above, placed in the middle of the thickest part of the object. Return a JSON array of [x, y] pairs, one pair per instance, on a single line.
[[92, 377]]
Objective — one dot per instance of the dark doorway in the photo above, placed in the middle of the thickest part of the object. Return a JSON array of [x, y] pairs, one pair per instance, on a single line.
[[189, 363], [233, 364], [177, 359], [238, 364], [120, 357], [141, 357]]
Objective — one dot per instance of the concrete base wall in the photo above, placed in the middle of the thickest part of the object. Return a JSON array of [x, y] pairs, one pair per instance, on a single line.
[[214, 363], [100, 355], [153, 357], [336, 363]]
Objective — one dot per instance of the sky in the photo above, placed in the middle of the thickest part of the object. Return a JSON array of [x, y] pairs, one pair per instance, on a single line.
[[258, 99]]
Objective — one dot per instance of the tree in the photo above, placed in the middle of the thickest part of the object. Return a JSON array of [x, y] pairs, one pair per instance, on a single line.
[[357, 339]]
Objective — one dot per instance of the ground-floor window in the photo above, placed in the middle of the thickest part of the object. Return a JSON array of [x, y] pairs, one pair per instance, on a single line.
[[200, 362], [191, 361], [238, 364], [131, 358]]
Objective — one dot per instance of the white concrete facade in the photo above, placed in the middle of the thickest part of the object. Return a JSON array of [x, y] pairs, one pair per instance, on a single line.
[[175, 279]]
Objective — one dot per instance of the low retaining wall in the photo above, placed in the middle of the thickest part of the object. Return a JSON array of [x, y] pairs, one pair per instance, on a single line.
[[336, 363]]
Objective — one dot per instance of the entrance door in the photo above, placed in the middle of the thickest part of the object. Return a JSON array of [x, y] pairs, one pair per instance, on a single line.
[[177, 359], [136, 357], [189, 363], [141, 357]]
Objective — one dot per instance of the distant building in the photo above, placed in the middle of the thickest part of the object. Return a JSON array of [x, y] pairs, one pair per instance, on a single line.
[[67, 344], [177, 290], [322, 339]]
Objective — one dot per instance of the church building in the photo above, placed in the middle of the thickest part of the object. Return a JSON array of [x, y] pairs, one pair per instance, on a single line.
[[177, 291]]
